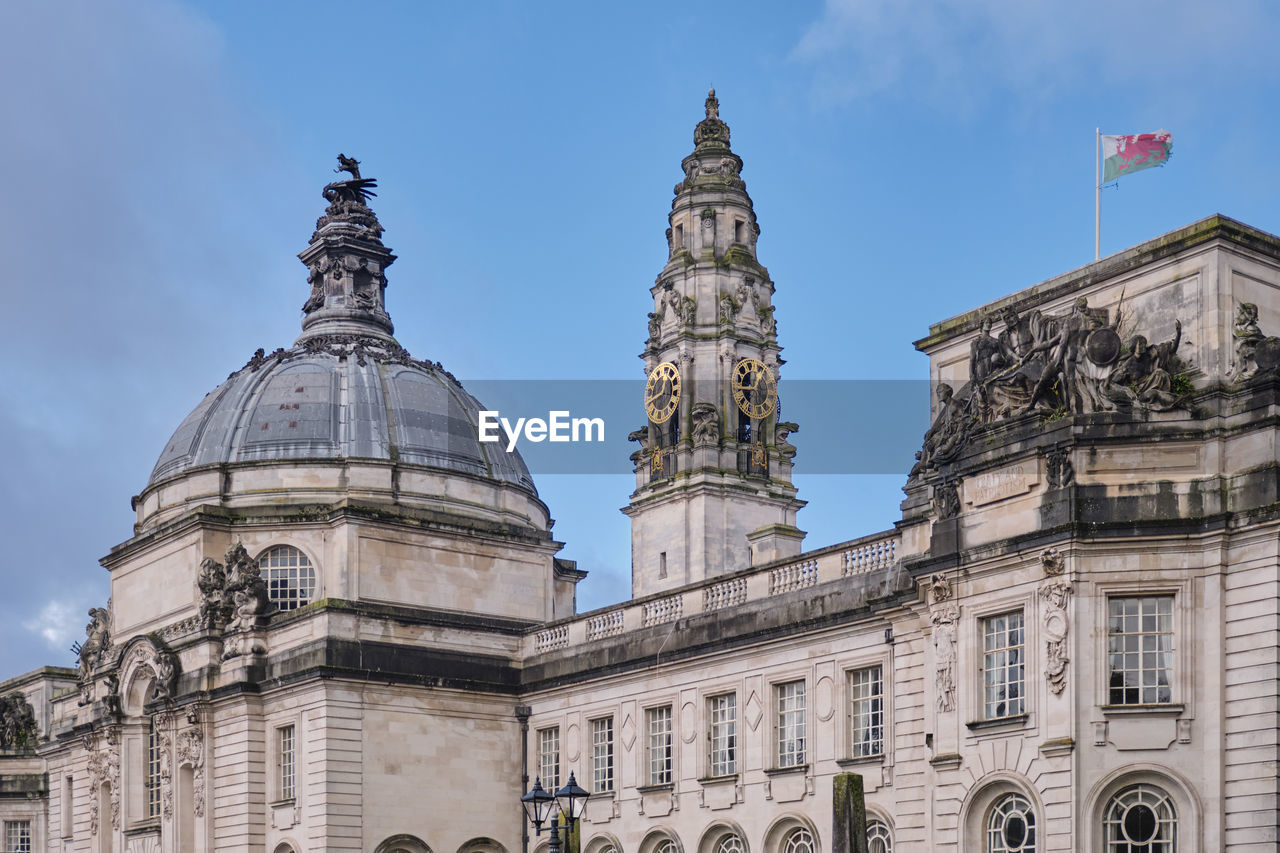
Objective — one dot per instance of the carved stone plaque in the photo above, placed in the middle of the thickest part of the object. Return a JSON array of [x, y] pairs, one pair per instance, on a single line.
[[1002, 483]]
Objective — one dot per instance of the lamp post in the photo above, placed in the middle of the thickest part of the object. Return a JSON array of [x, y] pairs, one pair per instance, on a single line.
[[567, 805]]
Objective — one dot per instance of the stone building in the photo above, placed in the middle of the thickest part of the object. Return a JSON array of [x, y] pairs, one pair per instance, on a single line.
[[341, 624]]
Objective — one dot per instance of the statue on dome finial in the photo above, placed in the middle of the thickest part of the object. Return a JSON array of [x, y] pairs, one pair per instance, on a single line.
[[711, 131], [713, 104], [348, 164]]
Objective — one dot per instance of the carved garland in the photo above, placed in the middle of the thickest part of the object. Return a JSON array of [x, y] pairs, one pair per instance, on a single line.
[[104, 767], [943, 616], [1055, 592]]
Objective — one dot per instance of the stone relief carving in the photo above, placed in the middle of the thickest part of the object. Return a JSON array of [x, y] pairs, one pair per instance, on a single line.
[[729, 307], [1073, 363], [152, 654], [164, 729], [1059, 468], [706, 424], [1055, 592], [212, 585], [780, 433], [768, 325], [17, 722], [684, 307], [234, 596], [104, 769], [943, 618], [1247, 335], [946, 500], [189, 750]]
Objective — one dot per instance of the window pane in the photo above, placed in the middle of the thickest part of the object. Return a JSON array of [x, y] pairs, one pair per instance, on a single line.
[[602, 754], [17, 836], [549, 758], [289, 575], [1140, 819], [285, 748], [723, 712], [659, 725], [791, 734]]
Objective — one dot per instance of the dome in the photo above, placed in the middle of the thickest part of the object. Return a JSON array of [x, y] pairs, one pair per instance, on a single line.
[[345, 391], [339, 397]]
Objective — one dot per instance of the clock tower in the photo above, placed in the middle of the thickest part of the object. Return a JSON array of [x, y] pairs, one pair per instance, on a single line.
[[713, 472]]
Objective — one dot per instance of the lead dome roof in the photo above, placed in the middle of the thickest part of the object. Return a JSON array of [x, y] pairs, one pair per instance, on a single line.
[[346, 389]]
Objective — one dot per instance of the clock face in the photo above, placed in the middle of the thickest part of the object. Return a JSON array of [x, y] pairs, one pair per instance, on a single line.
[[662, 393], [754, 388]]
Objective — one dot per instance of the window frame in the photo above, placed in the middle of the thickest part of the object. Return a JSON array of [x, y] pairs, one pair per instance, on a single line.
[[13, 829], [1170, 673], [851, 727], [611, 757], [151, 777], [1185, 603], [285, 793], [266, 576], [724, 767], [970, 673], [551, 784], [987, 716], [652, 779], [802, 752]]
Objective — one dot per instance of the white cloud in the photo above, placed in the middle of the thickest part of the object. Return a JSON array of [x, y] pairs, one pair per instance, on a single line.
[[57, 623], [962, 52]]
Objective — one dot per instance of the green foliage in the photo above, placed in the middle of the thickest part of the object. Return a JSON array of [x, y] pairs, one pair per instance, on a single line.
[[1180, 385]]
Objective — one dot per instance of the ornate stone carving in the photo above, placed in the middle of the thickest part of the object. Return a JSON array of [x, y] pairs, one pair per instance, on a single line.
[[780, 433], [91, 652], [706, 424], [729, 307], [247, 594], [155, 656], [768, 325], [684, 307], [711, 131], [189, 750], [103, 766], [943, 618], [1145, 374], [17, 722], [946, 500], [1248, 335], [212, 585], [164, 729], [655, 324], [1060, 470], [1055, 592], [939, 588]]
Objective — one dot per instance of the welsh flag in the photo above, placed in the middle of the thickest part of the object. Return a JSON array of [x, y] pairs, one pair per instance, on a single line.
[[1122, 155]]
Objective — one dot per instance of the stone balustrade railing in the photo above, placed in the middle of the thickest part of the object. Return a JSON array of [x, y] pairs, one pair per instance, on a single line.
[[858, 556]]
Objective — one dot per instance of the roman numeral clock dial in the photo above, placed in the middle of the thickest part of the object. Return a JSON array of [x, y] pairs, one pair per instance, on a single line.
[[755, 389], [662, 393]]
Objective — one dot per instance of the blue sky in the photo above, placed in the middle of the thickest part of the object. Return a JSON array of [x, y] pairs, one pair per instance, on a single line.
[[909, 160]]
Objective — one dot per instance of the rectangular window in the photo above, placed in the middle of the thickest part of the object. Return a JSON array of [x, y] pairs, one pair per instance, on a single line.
[[286, 770], [153, 771], [549, 758], [1140, 650], [17, 836], [602, 754], [791, 741], [723, 713], [659, 726], [1003, 666], [866, 712]]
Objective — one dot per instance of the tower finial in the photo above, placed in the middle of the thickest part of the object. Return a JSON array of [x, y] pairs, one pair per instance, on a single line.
[[713, 104]]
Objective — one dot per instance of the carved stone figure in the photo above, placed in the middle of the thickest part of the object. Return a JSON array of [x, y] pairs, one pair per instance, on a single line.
[[768, 325], [706, 424], [97, 639], [212, 583], [163, 664], [939, 588], [944, 620], [348, 164], [655, 325], [189, 750], [17, 722], [1055, 592], [1248, 335], [728, 308], [780, 433], [948, 433], [1063, 343], [245, 587], [1146, 372], [985, 354], [685, 308], [1060, 470]]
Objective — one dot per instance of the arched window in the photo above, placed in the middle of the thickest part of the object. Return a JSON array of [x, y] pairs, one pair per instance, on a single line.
[[799, 840], [667, 846], [289, 575], [1140, 819], [730, 843], [1011, 826], [878, 838]]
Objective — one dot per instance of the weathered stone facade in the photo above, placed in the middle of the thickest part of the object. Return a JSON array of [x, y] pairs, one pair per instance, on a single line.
[[341, 624]]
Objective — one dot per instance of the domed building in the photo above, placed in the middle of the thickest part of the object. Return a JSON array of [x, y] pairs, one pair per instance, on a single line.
[[340, 623]]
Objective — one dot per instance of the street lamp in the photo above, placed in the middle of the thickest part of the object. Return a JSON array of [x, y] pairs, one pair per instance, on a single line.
[[541, 807]]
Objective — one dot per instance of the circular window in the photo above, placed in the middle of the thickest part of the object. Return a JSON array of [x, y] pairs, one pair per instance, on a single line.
[[1141, 819], [1011, 828], [878, 838], [289, 575], [799, 841]]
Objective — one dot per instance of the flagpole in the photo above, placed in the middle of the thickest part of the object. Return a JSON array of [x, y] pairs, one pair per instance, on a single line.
[[1097, 194]]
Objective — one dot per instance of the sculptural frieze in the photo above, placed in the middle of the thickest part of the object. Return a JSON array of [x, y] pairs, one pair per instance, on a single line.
[[1053, 365]]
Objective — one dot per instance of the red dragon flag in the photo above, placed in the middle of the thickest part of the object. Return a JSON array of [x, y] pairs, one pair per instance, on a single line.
[[1123, 155]]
